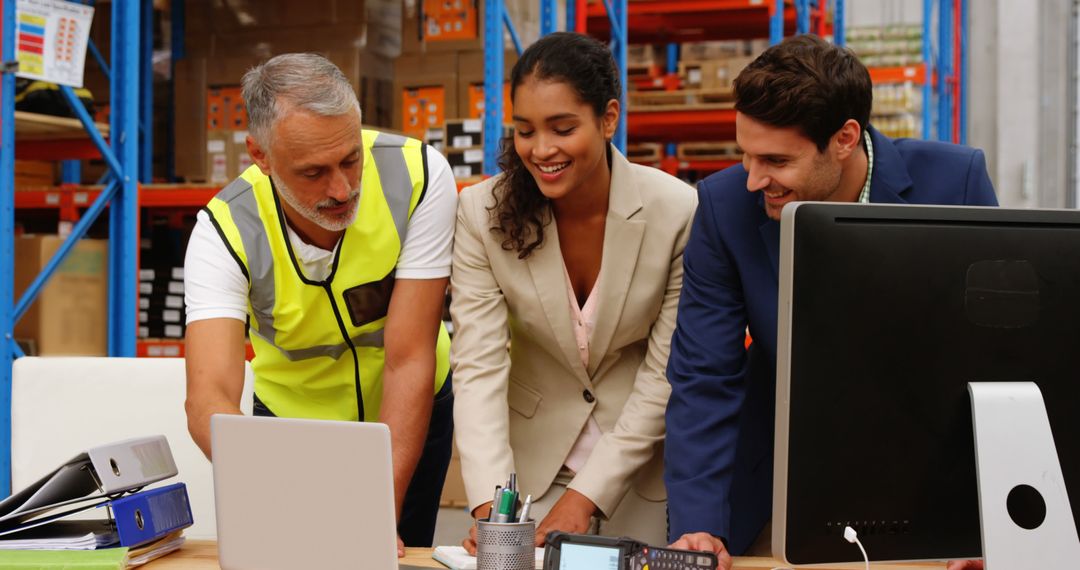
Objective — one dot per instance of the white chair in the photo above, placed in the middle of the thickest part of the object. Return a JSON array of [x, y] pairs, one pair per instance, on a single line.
[[61, 406]]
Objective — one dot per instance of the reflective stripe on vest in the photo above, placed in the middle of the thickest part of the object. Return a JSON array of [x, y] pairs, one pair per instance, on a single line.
[[294, 376]]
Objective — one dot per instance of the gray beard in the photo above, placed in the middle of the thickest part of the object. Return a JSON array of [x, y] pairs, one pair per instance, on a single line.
[[312, 214]]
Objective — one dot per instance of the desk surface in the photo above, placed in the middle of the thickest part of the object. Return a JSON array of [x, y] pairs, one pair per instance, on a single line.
[[202, 555]]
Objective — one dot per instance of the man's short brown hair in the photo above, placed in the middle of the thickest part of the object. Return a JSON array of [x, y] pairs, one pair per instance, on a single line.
[[808, 83]]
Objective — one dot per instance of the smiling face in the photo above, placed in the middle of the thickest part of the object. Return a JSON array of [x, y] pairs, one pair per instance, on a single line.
[[315, 162], [786, 165], [559, 137]]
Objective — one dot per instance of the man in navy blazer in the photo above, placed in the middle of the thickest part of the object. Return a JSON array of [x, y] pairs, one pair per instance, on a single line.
[[802, 121]]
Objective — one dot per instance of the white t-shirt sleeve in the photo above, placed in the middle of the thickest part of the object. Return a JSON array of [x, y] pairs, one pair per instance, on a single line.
[[428, 248], [214, 285]]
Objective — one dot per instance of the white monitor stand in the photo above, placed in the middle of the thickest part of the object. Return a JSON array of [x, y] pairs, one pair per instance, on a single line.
[[1026, 518]]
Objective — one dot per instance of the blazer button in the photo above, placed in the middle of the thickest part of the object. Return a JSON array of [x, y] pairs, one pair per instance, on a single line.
[[588, 396]]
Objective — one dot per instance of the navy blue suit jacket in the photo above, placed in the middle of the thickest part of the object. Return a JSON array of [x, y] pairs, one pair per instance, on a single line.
[[718, 457]]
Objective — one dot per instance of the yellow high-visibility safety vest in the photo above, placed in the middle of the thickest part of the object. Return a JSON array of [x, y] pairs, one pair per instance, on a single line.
[[319, 344]]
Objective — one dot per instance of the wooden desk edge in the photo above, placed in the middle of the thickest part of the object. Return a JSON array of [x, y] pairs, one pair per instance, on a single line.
[[202, 555]]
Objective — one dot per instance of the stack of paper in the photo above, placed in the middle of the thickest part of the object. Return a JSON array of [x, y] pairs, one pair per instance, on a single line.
[[456, 558], [63, 535], [168, 543]]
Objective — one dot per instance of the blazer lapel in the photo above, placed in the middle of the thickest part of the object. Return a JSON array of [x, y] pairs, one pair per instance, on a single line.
[[623, 233], [547, 269]]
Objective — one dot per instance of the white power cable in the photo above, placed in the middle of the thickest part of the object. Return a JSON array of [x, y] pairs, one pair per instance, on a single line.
[[851, 536]]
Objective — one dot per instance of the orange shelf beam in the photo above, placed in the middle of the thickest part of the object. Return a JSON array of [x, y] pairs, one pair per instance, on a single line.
[[690, 20], [914, 73], [685, 125], [170, 348], [150, 196]]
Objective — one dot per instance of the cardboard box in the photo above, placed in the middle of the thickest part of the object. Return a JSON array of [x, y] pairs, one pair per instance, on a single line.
[[239, 159], [226, 155], [475, 105], [471, 84], [369, 75], [35, 173], [735, 65], [467, 133], [215, 110], [453, 493], [422, 108], [224, 40], [425, 88], [466, 162], [715, 74], [464, 134], [70, 315], [442, 26], [450, 20], [213, 17], [217, 156]]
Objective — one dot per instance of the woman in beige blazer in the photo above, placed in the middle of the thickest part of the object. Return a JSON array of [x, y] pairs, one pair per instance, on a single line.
[[573, 258]]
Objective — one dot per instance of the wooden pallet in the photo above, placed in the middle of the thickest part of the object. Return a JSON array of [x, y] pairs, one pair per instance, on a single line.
[[679, 97], [717, 150], [642, 71], [644, 153]]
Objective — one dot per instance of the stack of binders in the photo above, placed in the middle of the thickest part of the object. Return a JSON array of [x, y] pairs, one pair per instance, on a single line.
[[94, 510]]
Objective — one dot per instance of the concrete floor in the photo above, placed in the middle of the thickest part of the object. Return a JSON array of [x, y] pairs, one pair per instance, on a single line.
[[452, 526]]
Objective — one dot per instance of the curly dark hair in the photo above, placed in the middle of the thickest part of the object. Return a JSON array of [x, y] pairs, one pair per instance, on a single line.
[[521, 211], [808, 83]]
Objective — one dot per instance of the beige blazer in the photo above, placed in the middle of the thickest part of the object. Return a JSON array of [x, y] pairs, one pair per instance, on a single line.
[[522, 410]]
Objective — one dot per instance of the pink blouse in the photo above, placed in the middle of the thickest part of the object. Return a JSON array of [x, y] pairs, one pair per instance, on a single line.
[[583, 320]]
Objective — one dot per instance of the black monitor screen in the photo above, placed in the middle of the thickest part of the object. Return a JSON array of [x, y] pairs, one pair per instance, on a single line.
[[893, 310]]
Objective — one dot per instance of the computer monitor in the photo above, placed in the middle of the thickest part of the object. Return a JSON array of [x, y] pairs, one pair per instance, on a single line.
[[886, 313]]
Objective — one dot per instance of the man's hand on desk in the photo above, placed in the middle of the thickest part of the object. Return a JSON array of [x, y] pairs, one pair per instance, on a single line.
[[965, 565], [705, 542], [400, 547]]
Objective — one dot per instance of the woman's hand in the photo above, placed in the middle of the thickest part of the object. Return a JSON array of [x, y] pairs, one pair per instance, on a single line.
[[469, 543], [572, 513], [705, 542]]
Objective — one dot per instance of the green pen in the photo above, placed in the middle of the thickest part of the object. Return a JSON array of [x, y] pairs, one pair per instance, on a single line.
[[506, 505]]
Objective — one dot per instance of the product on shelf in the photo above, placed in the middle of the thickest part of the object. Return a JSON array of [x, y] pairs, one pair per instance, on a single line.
[[644, 153], [897, 108], [709, 150]]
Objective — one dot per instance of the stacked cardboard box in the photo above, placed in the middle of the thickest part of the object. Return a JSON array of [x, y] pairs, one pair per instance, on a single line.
[[225, 39], [30, 173], [161, 303], [161, 275], [716, 64], [435, 86], [70, 315]]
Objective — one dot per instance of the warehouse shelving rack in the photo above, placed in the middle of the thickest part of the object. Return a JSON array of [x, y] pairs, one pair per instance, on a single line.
[[942, 74], [648, 21], [129, 98]]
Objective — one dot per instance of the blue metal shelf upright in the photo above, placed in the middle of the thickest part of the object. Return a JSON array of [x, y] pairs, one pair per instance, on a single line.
[[495, 18], [121, 154]]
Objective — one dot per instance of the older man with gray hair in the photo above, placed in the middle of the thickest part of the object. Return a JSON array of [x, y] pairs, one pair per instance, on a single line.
[[333, 251]]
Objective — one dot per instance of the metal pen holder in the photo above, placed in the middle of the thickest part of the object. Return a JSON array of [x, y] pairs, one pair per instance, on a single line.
[[505, 546]]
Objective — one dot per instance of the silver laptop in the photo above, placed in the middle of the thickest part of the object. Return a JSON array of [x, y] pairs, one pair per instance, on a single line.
[[295, 493]]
